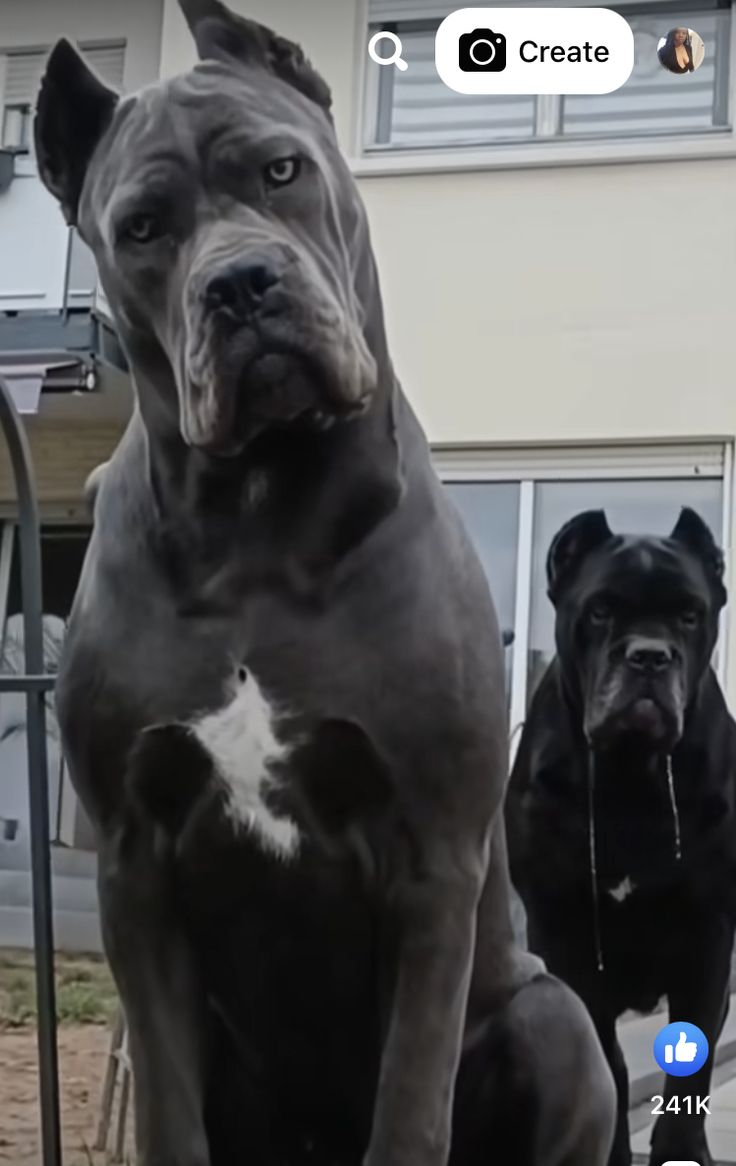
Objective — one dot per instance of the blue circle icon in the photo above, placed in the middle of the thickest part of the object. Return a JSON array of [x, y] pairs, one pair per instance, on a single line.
[[681, 1049]]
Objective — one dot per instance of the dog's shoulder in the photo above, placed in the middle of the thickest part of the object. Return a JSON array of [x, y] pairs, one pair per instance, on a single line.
[[548, 738], [707, 754], [547, 772]]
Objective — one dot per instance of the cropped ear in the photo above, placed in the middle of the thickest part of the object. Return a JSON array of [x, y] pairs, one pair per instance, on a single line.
[[74, 109], [694, 534], [220, 35], [577, 538]]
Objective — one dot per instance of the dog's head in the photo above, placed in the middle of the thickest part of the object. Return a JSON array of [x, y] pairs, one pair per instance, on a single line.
[[637, 621], [227, 229]]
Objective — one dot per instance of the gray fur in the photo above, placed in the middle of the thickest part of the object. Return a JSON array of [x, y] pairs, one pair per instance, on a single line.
[[346, 584]]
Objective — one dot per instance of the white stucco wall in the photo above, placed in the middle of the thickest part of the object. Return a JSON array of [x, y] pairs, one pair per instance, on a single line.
[[36, 24]]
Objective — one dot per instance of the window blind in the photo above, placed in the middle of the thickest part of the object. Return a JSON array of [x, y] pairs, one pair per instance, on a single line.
[[392, 10], [415, 110], [389, 11], [583, 462], [653, 100], [424, 112], [23, 70]]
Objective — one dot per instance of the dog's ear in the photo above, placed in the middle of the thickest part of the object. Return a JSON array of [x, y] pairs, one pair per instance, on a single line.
[[577, 538], [73, 111], [220, 35], [693, 533]]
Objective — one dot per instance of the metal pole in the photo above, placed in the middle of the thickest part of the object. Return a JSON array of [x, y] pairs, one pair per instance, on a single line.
[[67, 276], [30, 563]]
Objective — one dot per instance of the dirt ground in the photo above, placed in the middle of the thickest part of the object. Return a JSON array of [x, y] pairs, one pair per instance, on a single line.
[[86, 1005], [82, 1060]]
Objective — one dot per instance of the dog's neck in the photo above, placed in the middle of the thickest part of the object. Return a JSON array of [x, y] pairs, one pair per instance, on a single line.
[[288, 509]]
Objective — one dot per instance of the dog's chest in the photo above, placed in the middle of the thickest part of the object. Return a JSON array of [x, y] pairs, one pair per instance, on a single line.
[[244, 745], [622, 890]]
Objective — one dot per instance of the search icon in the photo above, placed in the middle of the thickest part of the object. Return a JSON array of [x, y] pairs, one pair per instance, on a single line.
[[395, 58]]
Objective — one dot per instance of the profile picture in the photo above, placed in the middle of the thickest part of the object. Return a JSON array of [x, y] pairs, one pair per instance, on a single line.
[[681, 51]]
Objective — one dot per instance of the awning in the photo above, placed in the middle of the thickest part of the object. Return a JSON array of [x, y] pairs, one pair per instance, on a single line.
[[26, 379]]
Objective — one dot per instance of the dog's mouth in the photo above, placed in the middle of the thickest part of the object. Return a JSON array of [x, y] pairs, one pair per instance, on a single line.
[[645, 724], [255, 382]]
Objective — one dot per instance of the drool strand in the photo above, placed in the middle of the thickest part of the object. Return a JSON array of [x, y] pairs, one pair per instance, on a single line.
[[675, 810], [594, 863]]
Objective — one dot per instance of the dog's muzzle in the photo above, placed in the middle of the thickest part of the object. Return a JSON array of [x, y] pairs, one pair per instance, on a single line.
[[639, 699], [268, 345]]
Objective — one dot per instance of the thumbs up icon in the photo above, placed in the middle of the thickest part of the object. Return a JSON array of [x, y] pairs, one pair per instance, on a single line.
[[681, 1049], [684, 1051]]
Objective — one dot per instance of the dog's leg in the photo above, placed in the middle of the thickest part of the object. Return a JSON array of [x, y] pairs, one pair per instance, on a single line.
[[621, 1150], [154, 972], [592, 992], [435, 904], [699, 995], [533, 1087]]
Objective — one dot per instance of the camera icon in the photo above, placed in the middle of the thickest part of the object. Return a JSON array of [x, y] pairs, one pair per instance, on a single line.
[[482, 51]]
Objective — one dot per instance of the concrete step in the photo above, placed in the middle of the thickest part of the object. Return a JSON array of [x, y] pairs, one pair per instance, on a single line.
[[637, 1038], [69, 894], [74, 931], [64, 861], [721, 1125]]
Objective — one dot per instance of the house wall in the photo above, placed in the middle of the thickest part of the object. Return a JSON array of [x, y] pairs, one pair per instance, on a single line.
[[38, 23], [64, 455]]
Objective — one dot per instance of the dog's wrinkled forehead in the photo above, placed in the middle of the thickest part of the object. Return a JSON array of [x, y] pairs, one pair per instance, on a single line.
[[181, 132], [646, 571]]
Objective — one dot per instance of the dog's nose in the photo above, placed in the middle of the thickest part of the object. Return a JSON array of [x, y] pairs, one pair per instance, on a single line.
[[240, 287], [648, 655]]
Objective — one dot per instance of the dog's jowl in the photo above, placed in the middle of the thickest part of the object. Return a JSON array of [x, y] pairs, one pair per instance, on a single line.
[[303, 882], [620, 810]]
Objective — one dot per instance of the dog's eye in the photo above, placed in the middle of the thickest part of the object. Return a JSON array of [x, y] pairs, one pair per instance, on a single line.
[[143, 228], [599, 614], [689, 617], [282, 171]]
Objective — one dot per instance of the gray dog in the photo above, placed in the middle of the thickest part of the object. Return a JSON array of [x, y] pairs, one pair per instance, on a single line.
[[279, 607]]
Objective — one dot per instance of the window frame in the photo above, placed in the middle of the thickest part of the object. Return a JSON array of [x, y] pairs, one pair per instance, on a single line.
[[542, 150], [448, 462]]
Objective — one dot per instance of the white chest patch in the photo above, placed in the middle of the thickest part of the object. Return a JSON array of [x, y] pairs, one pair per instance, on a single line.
[[242, 742], [623, 890]]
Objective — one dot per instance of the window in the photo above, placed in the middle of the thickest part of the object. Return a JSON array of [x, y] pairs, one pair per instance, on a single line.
[[413, 110], [22, 70], [490, 511]]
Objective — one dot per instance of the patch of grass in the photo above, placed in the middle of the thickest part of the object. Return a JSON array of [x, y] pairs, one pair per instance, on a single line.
[[85, 992]]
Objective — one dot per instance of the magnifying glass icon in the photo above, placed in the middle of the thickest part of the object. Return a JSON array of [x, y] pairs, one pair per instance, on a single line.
[[395, 58]]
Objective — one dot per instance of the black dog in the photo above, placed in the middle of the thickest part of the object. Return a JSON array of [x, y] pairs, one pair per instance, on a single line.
[[620, 809]]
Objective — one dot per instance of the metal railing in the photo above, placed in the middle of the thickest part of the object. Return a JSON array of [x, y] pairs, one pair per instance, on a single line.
[[35, 685]]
